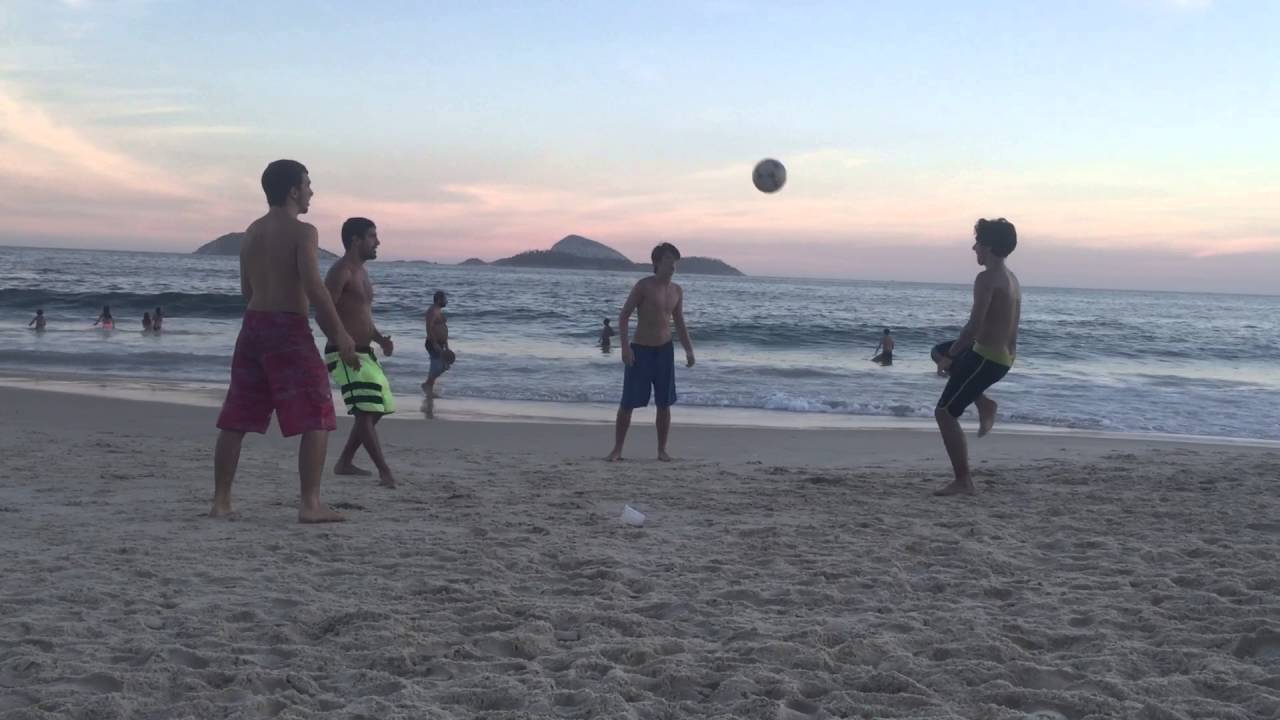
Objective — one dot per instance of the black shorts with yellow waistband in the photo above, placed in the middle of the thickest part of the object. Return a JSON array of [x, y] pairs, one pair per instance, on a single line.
[[971, 375]]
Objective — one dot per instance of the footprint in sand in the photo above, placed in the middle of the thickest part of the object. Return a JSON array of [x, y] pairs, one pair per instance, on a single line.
[[99, 683], [187, 659], [502, 647], [799, 709], [1264, 644]]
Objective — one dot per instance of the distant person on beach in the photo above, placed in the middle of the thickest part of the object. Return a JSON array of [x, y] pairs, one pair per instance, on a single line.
[[985, 350], [365, 389], [156, 320], [886, 342], [606, 335], [276, 366], [147, 325], [650, 359], [437, 343], [38, 321], [104, 319]]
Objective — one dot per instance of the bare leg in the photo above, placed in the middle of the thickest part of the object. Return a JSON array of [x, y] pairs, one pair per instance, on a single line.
[[365, 423], [346, 461], [226, 456], [986, 414], [310, 467], [958, 451], [664, 430], [429, 389], [620, 433]]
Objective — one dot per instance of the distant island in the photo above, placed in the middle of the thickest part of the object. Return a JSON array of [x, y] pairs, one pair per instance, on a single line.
[[575, 252], [229, 244]]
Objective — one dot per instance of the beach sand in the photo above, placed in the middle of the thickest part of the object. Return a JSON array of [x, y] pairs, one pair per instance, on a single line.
[[780, 574]]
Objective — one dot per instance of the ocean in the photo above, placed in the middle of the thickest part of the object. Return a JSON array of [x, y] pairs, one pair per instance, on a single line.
[[1098, 360]]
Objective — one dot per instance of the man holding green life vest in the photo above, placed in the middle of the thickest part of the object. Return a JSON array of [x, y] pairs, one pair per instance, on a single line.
[[365, 390]]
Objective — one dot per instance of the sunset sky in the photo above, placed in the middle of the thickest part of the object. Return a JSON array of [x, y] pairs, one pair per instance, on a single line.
[[1135, 143]]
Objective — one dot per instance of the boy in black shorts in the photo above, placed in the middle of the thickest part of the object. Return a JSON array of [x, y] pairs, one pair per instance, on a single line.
[[985, 350]]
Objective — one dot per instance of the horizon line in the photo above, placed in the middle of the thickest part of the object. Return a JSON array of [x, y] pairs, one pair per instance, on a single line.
[[489, 264]]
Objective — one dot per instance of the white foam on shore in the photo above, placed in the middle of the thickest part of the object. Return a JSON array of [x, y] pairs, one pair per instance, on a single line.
[[482, 410]]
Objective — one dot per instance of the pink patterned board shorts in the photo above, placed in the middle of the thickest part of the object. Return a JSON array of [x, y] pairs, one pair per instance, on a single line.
[[277, 367]]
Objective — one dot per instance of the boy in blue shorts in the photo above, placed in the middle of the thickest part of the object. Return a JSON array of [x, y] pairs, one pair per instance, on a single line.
[[650, 357]]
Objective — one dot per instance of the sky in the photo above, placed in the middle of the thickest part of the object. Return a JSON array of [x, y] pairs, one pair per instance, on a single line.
[[1134, 143]]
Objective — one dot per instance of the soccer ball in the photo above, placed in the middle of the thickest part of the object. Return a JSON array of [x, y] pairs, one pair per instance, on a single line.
[[769, 176]]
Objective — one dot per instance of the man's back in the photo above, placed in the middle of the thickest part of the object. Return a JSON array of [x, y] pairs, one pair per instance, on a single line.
[[437, 325], [270, 261], [999, 329]]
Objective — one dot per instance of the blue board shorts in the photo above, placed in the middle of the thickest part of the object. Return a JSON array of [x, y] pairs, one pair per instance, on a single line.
[[654, 370]]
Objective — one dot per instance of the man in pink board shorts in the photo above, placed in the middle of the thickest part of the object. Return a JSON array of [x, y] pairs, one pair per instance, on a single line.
[[276, 366]]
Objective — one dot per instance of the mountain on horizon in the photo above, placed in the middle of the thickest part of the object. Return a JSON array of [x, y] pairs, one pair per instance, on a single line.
[[574, 252], [230, 243]]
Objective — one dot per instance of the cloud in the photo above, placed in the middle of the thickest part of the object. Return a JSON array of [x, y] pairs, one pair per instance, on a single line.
[[132, 113], [49, 148]]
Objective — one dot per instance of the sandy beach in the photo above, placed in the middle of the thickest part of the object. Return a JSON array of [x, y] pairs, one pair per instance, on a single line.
[[781, 574]]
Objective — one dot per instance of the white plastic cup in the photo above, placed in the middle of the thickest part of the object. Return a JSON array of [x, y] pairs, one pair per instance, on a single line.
[[632, 516]]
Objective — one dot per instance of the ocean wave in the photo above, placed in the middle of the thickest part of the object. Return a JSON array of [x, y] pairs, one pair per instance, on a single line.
[[210, 305], [121, 363]]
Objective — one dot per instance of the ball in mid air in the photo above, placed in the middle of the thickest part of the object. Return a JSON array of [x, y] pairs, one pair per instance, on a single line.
[[769, 176]]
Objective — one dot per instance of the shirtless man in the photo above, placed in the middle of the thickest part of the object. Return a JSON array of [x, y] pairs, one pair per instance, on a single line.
[[276, 366], [886, 342], [38, 321], [606, 336], [985, 350], [650, 360], [364, 389], [437, 344]]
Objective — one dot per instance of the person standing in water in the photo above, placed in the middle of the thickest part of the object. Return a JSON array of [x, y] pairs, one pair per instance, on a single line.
[[147, 325], [437, 343], [606, 335], [886, 342], [38, 321], [650, 360], [104, 319], [985, 350], [276, 366], [156, 320], [365, 390]]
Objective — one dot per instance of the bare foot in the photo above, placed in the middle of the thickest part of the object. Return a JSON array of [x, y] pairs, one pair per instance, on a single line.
[[349, 469], [957, 487], [986, 414], [223, 511], [663, 456], [615, 456], [321, 514], [386, 480]]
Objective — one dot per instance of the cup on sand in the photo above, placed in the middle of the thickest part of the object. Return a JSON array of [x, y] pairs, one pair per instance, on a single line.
[[632, 516]]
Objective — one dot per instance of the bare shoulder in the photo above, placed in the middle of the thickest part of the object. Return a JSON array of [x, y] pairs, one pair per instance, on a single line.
[[305, 231], [338, 270], [253, 233]]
